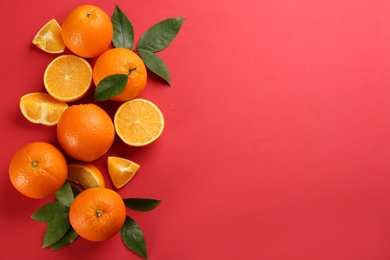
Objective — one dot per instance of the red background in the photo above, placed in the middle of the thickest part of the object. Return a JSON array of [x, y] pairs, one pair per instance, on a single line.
[[277, 137]]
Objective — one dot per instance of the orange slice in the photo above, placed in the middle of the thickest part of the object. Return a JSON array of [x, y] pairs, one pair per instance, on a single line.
[[49, 38], [121, 170], [85, 174], [41, 108], [138, 122], [68, 78]]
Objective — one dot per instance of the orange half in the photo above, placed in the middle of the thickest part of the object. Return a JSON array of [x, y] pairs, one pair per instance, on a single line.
[[49, 38], [121, 170], [68, 78], [85, 174], [41, 108]]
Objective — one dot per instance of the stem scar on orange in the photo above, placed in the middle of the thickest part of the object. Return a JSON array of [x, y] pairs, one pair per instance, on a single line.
[[38, 170], [97, 214]]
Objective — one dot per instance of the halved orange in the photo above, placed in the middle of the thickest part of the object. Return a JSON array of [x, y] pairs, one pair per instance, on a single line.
[[68, 78], [138, 122], [85, 174], [121, 170], [49, 38], [41, 108]]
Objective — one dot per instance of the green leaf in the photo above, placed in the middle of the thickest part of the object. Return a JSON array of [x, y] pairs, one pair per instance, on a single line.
[[160, 35], [110, 86], [123, 30], [65, 194], [66, 240], [155, 64], [76, 191], [133, 237], [141, 204], [47, 212], [56, 229]]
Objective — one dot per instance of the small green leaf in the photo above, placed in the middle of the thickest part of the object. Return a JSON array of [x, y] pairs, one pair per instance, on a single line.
[[155, 64], [123, 30], [141, 204], [65, 194], [47, 212], [160, 35], [76, 191], [66, 240], [133, 237], [56, 229], [110, 86]]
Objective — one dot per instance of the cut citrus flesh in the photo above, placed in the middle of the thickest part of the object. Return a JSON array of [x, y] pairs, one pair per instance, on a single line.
[[68, 78], [41, 108], [138, 122], [85, 174], [49, 38], [121, 170]]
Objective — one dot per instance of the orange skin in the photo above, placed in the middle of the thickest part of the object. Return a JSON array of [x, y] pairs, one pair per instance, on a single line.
[[97, 214], [87, 31], [38, 170], [121, 61], [85, 132]]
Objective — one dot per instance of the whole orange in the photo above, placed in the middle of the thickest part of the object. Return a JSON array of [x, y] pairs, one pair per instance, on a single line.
[[38, 170], [85, 132], [97, 214], [87, 31], [121, 61]]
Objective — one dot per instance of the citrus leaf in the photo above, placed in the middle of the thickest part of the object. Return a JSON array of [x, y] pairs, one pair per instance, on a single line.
[[160, 35], [110, 87], [141, 204], [123, 30], [56, 229], [66, 240], [155, 64], [47, 212], [76, 191], [133, 237], [65, 194]]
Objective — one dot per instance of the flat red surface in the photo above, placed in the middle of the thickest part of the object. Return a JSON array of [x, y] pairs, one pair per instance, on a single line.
[[277, 137]]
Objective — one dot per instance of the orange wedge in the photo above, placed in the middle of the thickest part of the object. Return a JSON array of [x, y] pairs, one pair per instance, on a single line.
[[68, 78], [41, 108], [138, 122], [85, 174], [121, 170], [49, 38]]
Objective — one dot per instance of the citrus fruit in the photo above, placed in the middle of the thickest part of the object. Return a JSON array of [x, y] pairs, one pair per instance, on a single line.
[[85, 132], [68, 77], [41, 108], [87, 31], [121, 170], [85, 174], [138, 122], [97, 214], [49, 38], [122, 61], [38, 170]]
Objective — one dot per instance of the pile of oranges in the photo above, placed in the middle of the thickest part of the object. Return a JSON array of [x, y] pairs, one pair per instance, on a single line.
[[85, 132]]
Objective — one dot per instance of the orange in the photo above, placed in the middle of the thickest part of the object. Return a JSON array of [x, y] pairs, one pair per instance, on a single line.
[[41, 108], [87, 31], [49, 38], [85, 132], [138, 122], [121, 170], [97, 214], [85, 174], [38, 170], [122, 61], [68, 78]]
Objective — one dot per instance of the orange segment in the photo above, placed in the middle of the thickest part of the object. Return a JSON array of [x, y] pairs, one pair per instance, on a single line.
[[49, 38], [121, 170], [41, 108], [85, 174], [68, 77], [138, 122]]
